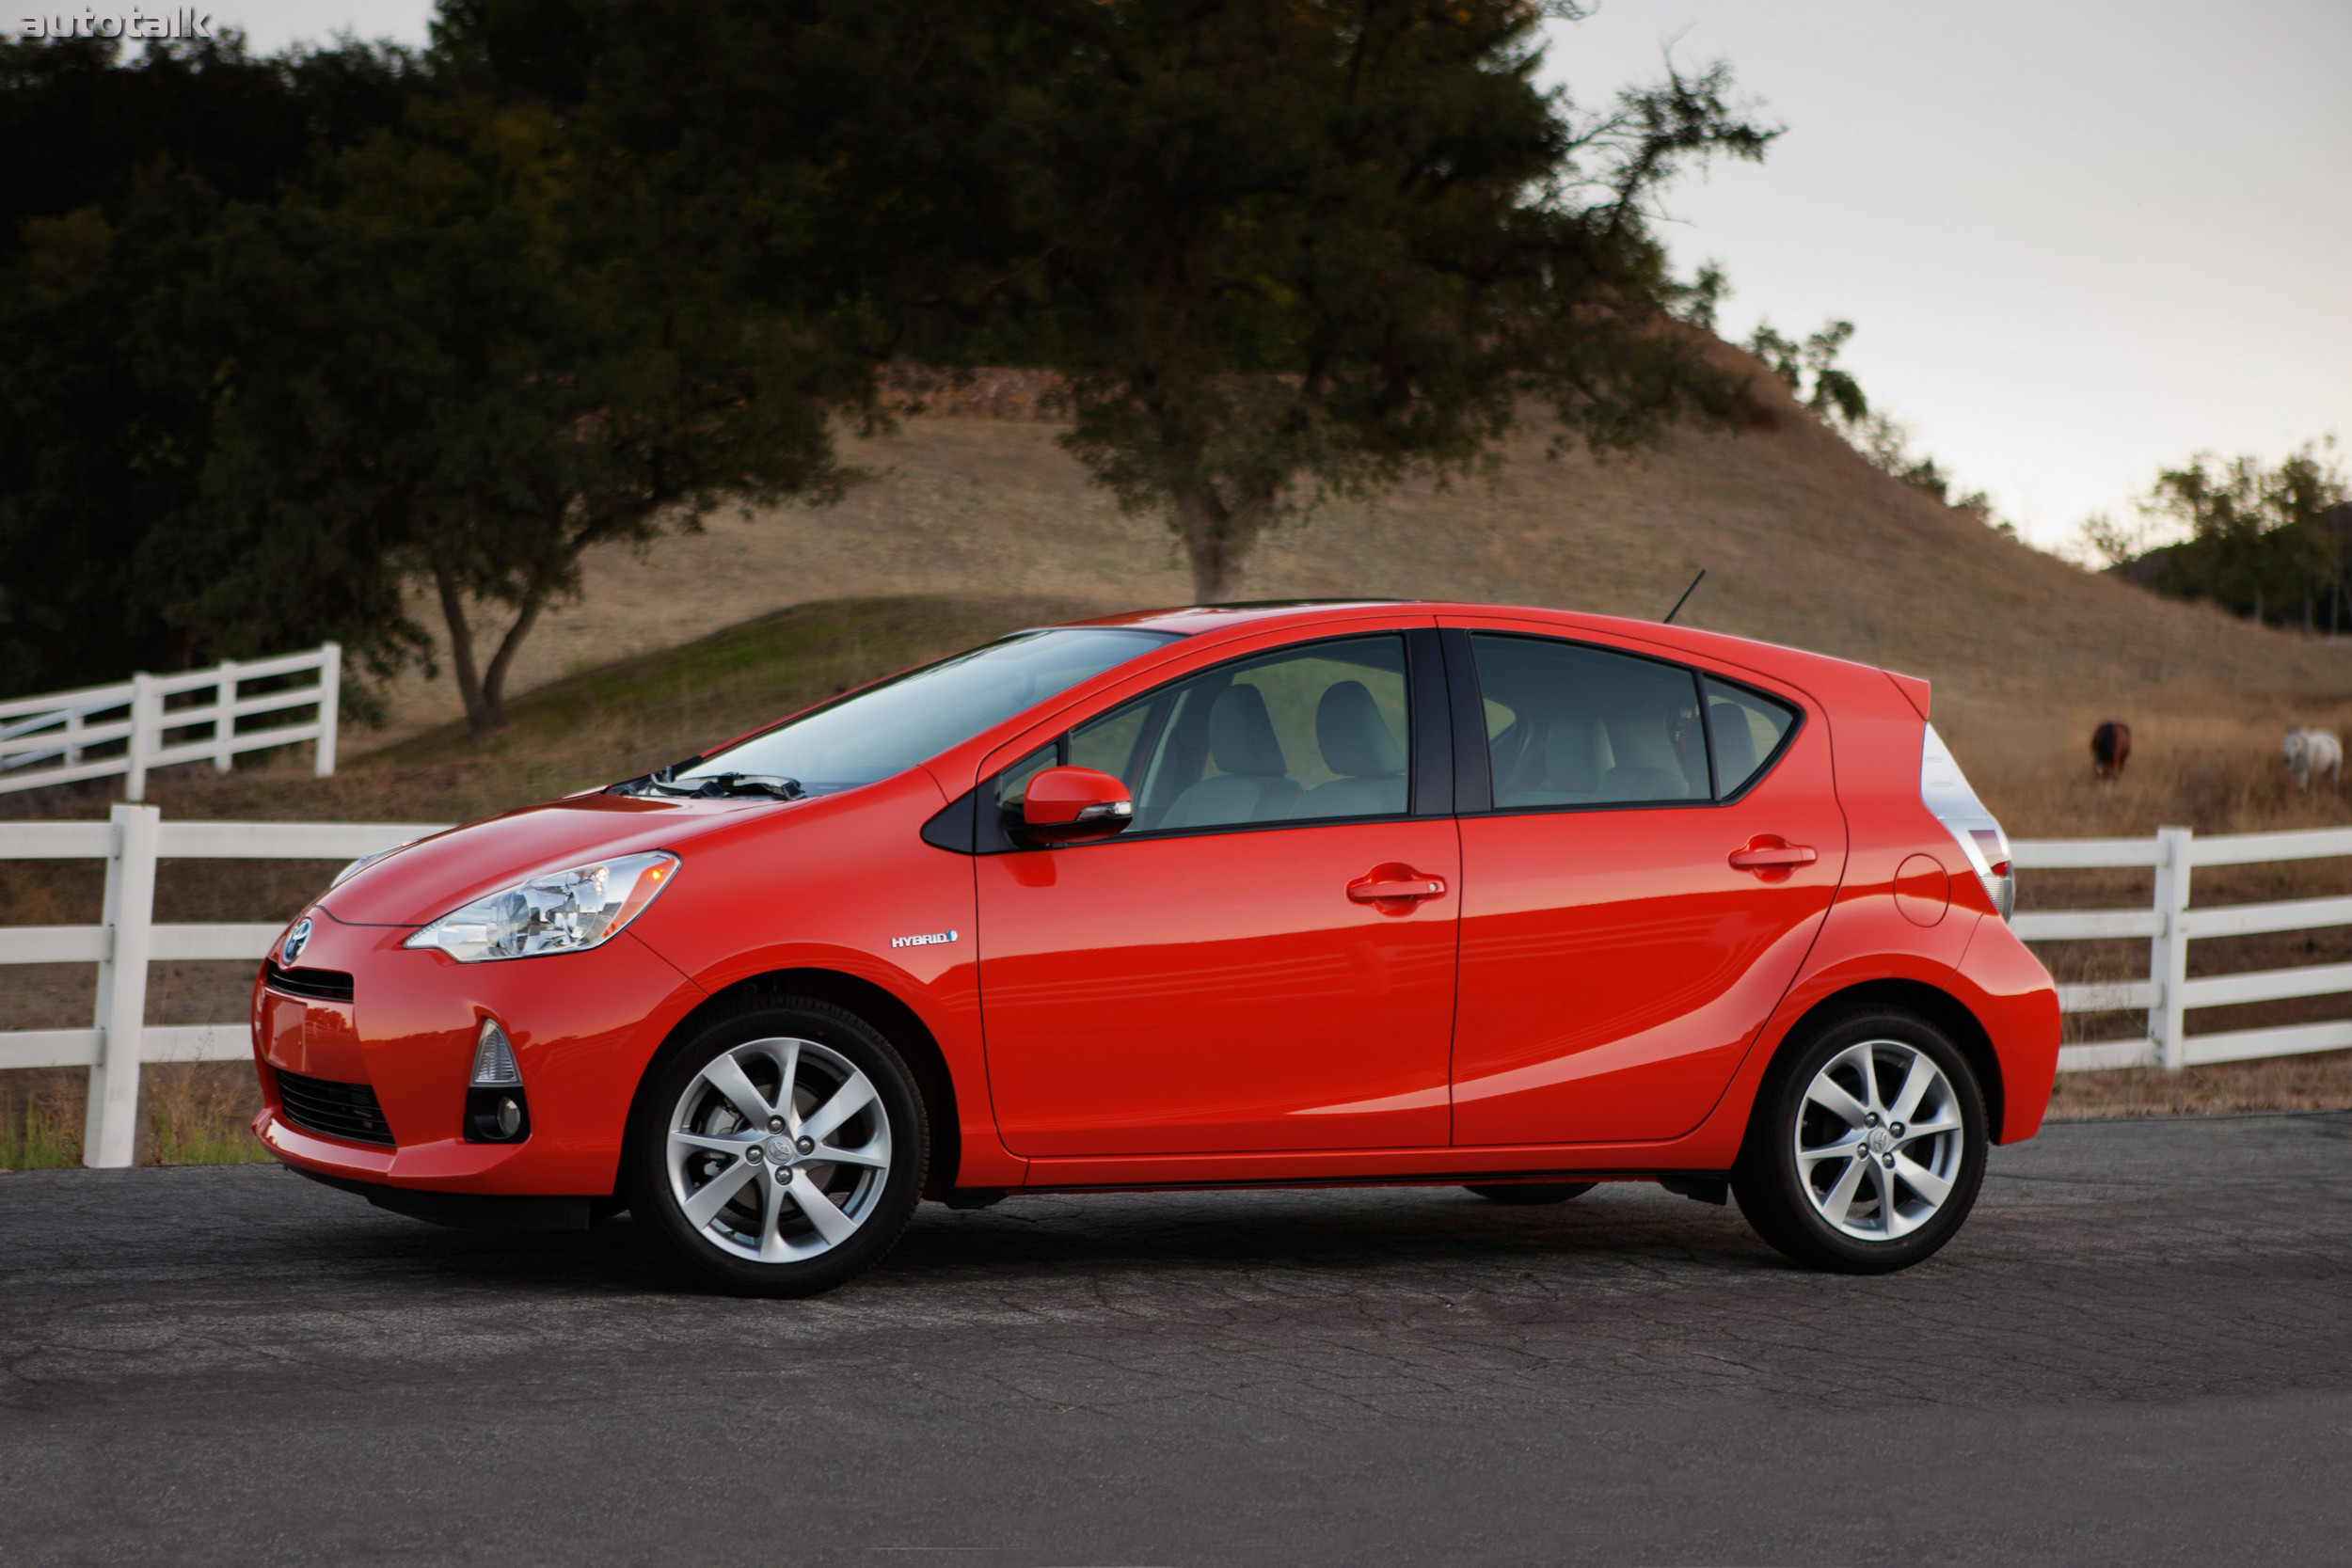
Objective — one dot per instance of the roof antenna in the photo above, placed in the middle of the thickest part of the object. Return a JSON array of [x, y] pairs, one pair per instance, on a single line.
[[1685, 599]]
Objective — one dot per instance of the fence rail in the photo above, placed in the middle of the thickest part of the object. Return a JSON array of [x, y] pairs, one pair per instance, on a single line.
[[2168, 994], [48, 741], [127, 940], [135, 838]]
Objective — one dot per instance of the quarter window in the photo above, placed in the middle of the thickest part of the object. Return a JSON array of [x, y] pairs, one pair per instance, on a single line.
[[1748, 729]]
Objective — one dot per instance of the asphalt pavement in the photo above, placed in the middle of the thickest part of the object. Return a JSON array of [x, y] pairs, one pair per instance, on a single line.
[[2140, 1350]]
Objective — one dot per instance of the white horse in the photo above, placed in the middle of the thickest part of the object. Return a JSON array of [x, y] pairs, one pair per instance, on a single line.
[[2309, 752]]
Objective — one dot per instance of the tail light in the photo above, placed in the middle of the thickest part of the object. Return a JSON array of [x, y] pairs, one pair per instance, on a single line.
[[1944, 789]]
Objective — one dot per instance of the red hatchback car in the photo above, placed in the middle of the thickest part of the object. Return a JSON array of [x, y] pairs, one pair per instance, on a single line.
[[1295, 894]]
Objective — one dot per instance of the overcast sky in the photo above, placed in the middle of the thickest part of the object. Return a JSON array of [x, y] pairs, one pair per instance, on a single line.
[[2080, 239]]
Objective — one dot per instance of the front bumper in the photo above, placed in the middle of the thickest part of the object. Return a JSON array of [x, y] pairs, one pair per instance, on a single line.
[[584, 1027]]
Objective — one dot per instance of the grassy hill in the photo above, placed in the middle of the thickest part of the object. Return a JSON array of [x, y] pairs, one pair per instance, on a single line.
[[1803, 543]]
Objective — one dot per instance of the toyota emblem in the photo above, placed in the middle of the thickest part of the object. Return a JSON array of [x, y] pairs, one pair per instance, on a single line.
[[296, 940]]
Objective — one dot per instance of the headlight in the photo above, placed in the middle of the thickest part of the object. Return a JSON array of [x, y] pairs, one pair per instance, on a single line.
[[564, 912]]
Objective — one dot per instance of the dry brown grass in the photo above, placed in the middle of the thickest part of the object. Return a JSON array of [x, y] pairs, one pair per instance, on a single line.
[[2215, 773]]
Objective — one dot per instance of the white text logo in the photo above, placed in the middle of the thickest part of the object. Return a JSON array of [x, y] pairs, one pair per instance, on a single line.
[[923, 941], [186, 22]]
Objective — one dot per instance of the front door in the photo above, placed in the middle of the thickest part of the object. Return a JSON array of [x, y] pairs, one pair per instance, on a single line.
[[1617, 963], [1220, 978]]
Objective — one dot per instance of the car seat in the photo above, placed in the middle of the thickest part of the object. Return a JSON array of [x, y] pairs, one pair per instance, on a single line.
[[1254, 784], [1356, 746]]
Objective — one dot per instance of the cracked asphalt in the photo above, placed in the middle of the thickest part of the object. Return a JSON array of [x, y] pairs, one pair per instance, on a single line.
[[2138, 1351]]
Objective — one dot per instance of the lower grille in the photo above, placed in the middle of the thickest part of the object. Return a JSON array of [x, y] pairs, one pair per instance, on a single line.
[[320, 984], [338, 1110]]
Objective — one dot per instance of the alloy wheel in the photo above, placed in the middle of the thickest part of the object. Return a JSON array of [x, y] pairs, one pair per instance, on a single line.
[[778, 1150], [1880, 1140]]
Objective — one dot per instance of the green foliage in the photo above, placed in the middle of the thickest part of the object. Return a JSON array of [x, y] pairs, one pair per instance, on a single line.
[[1835, 394], [418, 357], [2261, 539], [1285, 253], [283, 338], [1275, 252], [408, 339], [105, 418], [38, 1134]]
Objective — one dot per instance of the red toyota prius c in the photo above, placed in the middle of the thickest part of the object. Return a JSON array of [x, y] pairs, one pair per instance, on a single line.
[[1288, 895]]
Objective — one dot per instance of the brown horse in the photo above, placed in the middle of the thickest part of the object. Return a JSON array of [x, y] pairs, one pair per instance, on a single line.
[[2110, 749]]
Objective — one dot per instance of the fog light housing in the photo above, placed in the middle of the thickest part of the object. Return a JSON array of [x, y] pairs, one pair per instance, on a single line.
[[497, 1111]]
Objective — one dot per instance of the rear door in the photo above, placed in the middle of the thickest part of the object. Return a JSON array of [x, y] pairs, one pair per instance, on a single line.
[[1644, 865]]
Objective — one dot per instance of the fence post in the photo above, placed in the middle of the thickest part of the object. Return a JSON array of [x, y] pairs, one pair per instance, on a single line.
[[72, 735], [110, 1128], [2168, 952], [136, 789], [225, 717], [330, 704]]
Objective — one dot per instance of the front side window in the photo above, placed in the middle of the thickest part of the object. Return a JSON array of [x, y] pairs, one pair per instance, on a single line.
[[1310, 734], [891, 727], [1569, 725]]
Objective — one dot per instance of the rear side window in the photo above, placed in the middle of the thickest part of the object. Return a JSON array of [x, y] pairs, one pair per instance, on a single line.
[[1748, 728], [1569, 725]]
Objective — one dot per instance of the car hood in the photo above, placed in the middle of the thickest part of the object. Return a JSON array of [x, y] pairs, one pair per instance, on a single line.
[[427, 879]]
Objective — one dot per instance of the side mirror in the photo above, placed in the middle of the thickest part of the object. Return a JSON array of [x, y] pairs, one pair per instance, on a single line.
[[1071, 805]]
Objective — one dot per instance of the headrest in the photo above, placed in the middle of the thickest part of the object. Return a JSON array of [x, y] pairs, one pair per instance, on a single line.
[[1354, 738], [1241, 736], [1576, 752]]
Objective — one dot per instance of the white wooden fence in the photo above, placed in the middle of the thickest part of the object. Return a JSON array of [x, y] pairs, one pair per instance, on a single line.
[[48, 741], [118, 1040], [135, 837], [2168, 993]]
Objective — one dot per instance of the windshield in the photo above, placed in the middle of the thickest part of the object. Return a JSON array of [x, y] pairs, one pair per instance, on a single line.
[[891, 727]]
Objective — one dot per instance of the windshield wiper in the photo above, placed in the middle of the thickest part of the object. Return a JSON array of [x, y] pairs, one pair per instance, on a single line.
[[645, 783], [717, 785], [713, 786]]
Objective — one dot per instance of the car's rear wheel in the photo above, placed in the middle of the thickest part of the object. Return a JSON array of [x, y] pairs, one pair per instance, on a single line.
[[780, 1150], [1530, 1191], [1867, 1146]]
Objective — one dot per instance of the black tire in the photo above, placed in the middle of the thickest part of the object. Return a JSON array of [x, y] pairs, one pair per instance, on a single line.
[[1531, 1192], [874, 1202], [1790, 1200]]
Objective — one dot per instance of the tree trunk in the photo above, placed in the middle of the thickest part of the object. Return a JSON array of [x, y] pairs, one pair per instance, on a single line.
[[483, 714], [1217, 540], [494, 679]]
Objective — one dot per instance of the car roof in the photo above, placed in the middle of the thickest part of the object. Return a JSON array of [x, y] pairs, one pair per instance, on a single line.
[[1191, 619], [1271, 614], [1671, 641]]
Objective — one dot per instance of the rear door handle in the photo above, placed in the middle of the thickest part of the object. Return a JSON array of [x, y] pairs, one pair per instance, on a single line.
[[1370, 890], [1772, 857]]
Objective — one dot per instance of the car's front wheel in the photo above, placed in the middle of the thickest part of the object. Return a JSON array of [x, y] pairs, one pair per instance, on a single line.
[[780, 1150], [1866, 1144]]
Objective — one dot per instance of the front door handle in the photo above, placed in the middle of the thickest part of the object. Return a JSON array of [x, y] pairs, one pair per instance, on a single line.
[[1771, 854], [1388, 885]]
